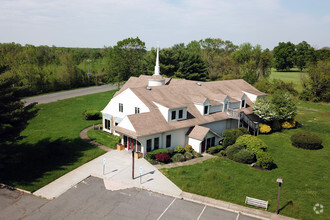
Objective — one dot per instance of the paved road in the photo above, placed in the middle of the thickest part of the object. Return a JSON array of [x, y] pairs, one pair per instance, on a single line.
[[90, 200], [69, 94]]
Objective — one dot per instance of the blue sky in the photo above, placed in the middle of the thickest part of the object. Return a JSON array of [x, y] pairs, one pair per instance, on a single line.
[[99, 23]]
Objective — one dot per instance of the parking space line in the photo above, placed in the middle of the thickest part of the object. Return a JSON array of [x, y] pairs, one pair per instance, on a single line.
[[201, 212], [237, 216], [166, 209]]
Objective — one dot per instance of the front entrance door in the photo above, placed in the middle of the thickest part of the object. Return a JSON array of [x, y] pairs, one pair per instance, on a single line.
[[203, 147]]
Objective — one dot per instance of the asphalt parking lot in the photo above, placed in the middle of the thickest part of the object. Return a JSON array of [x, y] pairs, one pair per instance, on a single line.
[[90, 200]]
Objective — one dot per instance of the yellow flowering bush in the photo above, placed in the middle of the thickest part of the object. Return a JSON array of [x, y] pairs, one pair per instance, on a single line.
[[289, 124], [264, 129]]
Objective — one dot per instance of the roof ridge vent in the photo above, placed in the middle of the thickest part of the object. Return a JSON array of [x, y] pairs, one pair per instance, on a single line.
[[199, 84], [148, 88]]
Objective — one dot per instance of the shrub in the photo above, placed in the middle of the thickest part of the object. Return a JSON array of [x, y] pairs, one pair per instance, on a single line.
[[188, 155], [179, 149], [195, 154], [252, 143], [233, 149], [222, 153], [244, 156], [152, 154], [214, 150], [164, 158], [265, 160], [178, 158], [264, 129], [230, 135], [306, 140], [91, 114], [188, 148], [276, 125], [289, 124]]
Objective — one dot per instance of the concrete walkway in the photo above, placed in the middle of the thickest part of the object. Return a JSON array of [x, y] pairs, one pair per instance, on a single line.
[[53, 97], [116, 173]]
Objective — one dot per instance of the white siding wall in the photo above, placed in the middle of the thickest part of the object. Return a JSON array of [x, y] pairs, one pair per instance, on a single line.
[[126, 123], [251, 96], [200, 108], [129, 101], [196, 144], [163, 110]]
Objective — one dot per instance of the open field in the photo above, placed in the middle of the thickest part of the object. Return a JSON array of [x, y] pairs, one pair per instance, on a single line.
[[292, 76], [51, 145], [305, 172]]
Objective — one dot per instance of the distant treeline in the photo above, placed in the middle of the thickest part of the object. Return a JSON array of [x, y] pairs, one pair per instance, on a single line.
[[45, 69]]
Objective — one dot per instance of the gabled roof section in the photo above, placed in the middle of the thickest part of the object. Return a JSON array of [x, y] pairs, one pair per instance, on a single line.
[[198, 132]]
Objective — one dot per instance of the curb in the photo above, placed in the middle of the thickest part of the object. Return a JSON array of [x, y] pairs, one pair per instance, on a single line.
[[2, 185]]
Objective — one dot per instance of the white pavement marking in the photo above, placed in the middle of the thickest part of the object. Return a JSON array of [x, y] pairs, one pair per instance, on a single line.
[[237, 216], [201, 213], [166, 209]]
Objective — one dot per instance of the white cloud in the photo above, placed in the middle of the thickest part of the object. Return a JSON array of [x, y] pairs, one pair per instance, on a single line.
[[95, 23]]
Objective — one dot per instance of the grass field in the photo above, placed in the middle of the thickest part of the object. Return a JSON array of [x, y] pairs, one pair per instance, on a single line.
[[293, 76], [103, 138], [51, 145], [305, 172]]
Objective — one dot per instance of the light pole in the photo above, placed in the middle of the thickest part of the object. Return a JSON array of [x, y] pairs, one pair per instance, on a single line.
[[133, 163], [280, 181]]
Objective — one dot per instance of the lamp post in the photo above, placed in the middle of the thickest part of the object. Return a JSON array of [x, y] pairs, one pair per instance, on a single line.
[[280, 181], [133, 163]]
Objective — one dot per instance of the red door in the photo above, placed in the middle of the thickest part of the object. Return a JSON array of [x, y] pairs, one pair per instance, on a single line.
[[203, 147]]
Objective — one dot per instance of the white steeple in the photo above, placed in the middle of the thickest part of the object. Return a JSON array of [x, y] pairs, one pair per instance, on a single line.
[[156, 79], [157, 69]]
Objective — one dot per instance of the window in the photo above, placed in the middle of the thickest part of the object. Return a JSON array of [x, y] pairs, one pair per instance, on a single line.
[[168, 140], [137, 110], [116, 123], [149, 143], [138, 147], [156, 143], [226, 106], [173, 115], [107, 124], [213, 141], [121, 107], [125, 141], [180, 113], [206, 110], [243, 104]]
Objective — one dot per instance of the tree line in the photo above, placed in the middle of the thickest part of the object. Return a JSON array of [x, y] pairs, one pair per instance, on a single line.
[[44, 69]]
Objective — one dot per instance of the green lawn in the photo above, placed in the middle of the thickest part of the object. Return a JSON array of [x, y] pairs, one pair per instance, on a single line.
[[292, 76], [51, 145], [103, 138], [305, 172]]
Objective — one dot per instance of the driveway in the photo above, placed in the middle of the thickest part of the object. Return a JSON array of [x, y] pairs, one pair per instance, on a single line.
[[69, 94], [90, 200]]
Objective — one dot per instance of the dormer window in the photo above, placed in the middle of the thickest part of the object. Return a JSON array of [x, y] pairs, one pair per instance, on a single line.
[[173, 115], [243, 104], [137, 110], [180, 113], [206, 110]]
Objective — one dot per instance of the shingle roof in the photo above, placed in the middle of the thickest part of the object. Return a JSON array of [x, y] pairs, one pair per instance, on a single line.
[[198, 132], [178, 93]]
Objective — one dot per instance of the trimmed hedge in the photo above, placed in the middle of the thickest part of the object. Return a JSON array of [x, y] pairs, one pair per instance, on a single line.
[[252, 143], [92, 115], [178, 158], [244, 156], [234, 149], [152, 154], [188, 148], [306, 140], [164, 158], [188, 155], [179, 149], [265, 160], [215, 149], [230, 135]]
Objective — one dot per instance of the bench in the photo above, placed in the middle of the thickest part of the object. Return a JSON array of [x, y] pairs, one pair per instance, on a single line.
[[256, 202]]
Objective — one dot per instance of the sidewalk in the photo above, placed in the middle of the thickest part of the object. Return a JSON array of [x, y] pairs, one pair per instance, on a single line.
[[117, 175]]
